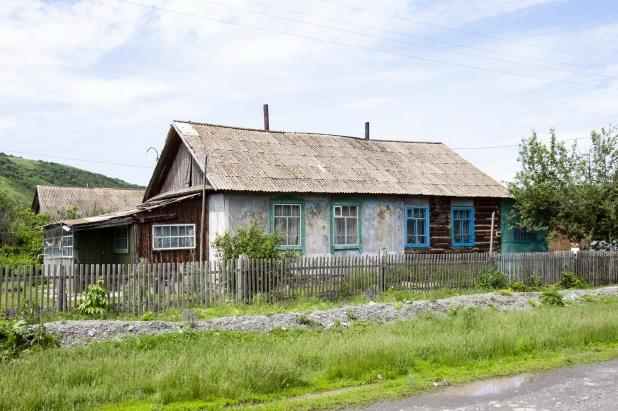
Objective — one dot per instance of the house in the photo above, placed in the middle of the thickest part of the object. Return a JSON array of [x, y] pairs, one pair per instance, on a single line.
[[85, 200], [330, 194]]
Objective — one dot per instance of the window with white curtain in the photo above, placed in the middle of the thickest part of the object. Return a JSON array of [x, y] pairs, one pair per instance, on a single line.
[[345, 219], [287, 218]]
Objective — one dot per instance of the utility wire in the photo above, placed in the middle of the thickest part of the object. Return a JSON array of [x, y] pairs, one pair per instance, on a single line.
[[513, 145], [364, 48], [402, 42], [465, 31], [424, 38], [76, 159]]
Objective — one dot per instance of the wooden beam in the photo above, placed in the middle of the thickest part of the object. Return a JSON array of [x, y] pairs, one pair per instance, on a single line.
[[162, 217]]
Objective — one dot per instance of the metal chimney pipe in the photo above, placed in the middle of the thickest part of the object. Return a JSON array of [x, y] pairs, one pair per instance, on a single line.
[[266, 119], [367, 131]]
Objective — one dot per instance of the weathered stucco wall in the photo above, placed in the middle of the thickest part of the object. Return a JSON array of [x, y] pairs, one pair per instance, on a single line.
[[382, 221]]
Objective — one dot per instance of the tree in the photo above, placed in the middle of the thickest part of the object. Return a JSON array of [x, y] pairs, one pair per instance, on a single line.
[[567, 192]]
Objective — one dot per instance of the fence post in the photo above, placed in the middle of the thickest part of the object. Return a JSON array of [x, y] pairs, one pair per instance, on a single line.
[[241, 277], [383, 269], [62, 292]]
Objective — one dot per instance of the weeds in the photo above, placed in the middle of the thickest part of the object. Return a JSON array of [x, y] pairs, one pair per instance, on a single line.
[[492, 279], [95, 302], [572, 281], [552, 296]]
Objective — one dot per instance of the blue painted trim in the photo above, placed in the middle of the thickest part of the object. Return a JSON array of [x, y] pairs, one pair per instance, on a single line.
[[291, 201], [359, 214], [405, 229], [472, 233]]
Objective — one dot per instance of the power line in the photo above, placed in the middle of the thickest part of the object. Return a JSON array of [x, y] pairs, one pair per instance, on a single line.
[[424, 38], [366, 48], [76, 159], [403, 42], [512, 145], [465, 31]]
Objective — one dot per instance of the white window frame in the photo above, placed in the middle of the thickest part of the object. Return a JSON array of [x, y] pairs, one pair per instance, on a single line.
[[154, 248], [345, 219], [300, 223], [126, 237], [57, 235]]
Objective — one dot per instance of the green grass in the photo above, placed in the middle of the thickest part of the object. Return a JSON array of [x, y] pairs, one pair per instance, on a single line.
[[213, 370], [19, 176], [299, 304]]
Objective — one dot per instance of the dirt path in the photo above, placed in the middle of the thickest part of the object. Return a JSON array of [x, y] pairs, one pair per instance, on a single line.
[[75, 332]]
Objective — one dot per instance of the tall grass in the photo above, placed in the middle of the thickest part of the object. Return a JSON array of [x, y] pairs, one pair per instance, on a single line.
[[226, 367]]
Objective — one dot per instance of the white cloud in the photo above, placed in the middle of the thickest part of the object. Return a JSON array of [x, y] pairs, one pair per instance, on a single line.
[[103, 79]]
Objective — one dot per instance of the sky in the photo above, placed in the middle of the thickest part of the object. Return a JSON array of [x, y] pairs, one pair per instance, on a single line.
[[101, 80]]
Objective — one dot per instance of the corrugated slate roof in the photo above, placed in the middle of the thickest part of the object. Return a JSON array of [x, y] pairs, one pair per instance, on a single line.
[[241, 159], [89, 201]]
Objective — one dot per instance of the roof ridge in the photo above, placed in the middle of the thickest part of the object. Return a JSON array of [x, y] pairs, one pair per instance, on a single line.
[[307, 133]]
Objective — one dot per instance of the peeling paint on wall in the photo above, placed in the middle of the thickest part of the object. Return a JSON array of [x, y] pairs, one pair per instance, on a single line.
[[317, 227], [245, 211]]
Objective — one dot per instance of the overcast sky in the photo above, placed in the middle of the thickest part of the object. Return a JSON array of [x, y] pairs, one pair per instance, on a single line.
[[101, 80]]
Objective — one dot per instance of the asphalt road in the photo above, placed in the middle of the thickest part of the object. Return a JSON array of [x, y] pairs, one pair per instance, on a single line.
[[591, 387]]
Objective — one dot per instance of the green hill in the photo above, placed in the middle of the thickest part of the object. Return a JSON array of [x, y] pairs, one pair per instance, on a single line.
[[20, 176]]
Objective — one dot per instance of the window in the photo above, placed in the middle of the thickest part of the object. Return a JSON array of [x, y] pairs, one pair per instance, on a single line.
[[417, 227], [173, 237], [462, 226], [289, 219], [58, 242], [121, 240], [524, 235], [345, 226]]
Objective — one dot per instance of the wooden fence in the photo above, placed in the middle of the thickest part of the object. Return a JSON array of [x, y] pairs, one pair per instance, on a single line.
[[137, 288]]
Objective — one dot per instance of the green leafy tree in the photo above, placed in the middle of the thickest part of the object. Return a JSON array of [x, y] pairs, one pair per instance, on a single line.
[[566, 191]]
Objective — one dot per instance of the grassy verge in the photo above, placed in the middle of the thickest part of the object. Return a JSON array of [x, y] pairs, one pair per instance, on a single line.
[[212, 370], [299, 304]]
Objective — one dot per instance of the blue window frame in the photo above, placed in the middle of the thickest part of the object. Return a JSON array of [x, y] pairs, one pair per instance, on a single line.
[[462, 223], [524, 235], [417, 227]]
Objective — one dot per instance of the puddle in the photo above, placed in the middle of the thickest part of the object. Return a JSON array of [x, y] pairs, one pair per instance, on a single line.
[[489, 387]]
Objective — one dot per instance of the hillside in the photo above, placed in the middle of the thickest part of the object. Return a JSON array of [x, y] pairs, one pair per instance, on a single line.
[[20, 176]]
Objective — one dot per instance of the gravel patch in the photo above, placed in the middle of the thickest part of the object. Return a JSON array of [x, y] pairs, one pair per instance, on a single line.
[[82, 332]]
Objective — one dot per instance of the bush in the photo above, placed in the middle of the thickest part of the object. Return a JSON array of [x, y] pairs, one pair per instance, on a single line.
[[552, 296], [17, 337], [536, 282], [95, 302], [493, 280], [571, 281], [253, 242], [518, 286]]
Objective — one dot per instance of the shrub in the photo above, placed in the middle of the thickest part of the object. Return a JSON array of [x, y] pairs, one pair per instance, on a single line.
[[506, 292], [518, 286], [17, 337], [95, 301], [536, 282], [253, 242], [493, 279], [552, 296], [570, 281]]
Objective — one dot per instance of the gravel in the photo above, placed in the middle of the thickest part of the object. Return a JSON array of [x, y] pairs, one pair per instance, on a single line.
[[83, 332]]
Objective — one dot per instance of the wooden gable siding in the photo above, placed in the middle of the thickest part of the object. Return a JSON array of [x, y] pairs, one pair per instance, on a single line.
[[183, 212], [440, 227], [183, 173], [176, 169]]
